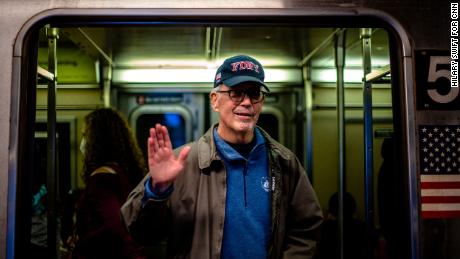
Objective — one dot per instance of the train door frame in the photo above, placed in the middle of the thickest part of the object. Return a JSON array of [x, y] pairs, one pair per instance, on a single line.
[[268, 109], [402, 71]]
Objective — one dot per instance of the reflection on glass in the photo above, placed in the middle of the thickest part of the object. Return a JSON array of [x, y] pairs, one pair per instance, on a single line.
[[173, 121]]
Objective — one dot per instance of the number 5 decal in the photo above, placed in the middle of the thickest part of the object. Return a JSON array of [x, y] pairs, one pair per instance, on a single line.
[[434, 74]]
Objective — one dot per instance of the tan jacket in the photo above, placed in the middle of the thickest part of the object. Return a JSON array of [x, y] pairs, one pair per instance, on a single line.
[[193, 216]]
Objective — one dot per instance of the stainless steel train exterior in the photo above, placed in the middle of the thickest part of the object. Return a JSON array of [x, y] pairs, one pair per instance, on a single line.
[[345, 77]]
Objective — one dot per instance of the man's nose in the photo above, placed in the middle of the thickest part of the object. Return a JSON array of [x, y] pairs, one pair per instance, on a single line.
[[246, 100]]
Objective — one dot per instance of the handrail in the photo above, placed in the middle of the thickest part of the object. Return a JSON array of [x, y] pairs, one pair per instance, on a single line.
[[45, 73], [377, 74]]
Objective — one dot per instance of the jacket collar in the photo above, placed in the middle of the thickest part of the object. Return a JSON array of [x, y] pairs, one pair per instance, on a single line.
[[207, 152], [227, 152]]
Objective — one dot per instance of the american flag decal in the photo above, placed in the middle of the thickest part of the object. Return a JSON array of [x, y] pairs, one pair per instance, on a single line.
[[440, 170]]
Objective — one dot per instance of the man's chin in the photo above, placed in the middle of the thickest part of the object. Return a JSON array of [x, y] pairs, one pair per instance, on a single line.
[[246, 126]]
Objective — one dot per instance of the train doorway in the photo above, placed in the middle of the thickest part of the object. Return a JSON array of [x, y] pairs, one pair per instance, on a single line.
[[314, 110]]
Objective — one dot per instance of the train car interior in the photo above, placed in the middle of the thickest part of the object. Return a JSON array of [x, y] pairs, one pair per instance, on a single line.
[[162, 72]]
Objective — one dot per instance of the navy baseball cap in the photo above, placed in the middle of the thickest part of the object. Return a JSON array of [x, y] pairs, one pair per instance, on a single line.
[[239, 69]]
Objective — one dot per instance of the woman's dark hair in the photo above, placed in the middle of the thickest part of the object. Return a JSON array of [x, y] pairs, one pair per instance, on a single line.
[[109, 140]]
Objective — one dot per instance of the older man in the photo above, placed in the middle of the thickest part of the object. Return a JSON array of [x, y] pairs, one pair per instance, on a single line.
[[233, 193]]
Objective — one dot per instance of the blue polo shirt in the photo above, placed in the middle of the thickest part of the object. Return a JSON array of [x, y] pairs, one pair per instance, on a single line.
[[247, 208]]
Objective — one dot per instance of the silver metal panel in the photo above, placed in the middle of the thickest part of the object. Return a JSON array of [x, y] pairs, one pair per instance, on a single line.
[[8, 207], [410, 156]]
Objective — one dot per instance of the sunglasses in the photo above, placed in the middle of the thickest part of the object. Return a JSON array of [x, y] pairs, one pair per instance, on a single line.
[[256, 95]]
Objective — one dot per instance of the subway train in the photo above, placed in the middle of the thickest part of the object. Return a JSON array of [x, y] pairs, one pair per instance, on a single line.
[[365, 93]]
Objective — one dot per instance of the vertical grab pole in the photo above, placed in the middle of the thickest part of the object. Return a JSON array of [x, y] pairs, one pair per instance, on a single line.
[[52, 243], [308, 117], [106, 83], [365, 35], [340, 65]]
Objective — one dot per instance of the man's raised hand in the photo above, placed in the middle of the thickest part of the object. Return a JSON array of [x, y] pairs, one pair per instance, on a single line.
[[164, 167]]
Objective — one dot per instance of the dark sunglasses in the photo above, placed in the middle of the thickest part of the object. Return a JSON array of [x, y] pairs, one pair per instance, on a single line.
[[256, 95]]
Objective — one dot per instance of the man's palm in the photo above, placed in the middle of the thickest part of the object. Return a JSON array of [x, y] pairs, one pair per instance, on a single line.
[[164, 167]]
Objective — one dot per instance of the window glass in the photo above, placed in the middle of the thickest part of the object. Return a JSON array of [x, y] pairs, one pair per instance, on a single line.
[[173, 121]]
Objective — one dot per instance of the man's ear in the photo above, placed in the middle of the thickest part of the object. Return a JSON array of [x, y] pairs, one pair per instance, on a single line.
[[213, 97]]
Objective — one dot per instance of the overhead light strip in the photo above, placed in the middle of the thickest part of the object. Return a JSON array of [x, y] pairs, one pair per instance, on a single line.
[[195, 75]]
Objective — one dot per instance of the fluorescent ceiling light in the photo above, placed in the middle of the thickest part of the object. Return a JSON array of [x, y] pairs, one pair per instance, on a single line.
[[195, 75], [329, 75]]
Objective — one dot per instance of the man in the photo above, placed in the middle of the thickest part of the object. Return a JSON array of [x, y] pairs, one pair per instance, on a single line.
[[235, 192]]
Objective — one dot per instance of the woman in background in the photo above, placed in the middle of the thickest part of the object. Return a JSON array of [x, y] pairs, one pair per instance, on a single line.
[[113, 166]]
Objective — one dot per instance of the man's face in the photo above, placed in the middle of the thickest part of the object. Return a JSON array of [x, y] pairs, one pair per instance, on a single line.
[[237, 118]]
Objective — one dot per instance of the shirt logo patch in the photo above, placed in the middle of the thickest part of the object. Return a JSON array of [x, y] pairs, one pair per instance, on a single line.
[[265, 182]]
